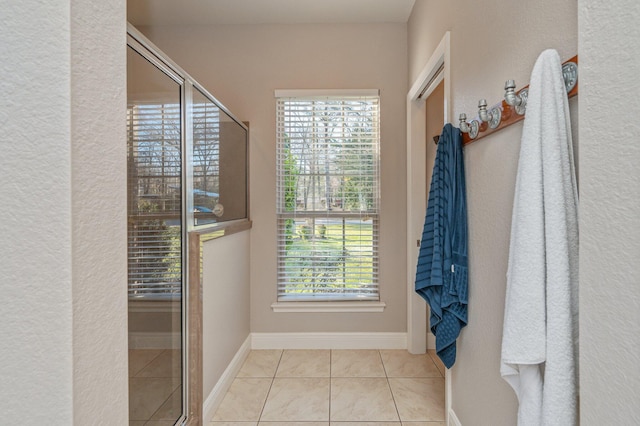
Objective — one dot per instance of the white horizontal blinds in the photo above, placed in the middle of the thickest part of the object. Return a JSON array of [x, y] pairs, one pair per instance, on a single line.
[[328, 197], [206, 158], [154, 204]]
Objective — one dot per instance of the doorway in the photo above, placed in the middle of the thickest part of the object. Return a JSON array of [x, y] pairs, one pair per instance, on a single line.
[[436, 71], [434, 120]]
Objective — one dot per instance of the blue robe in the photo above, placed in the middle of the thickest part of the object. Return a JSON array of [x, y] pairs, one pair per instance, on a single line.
[[441, 276]]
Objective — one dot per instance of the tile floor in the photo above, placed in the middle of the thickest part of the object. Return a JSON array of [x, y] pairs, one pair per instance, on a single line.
[[155, 391], [337, 387]]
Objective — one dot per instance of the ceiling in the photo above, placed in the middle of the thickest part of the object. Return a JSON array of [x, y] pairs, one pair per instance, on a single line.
[[210, 12]]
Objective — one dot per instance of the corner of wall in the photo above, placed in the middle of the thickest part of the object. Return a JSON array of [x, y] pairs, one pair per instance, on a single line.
[[99, 235], [214, 398]]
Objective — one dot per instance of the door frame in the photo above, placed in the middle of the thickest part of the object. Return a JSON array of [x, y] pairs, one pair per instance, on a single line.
[[425, 83], [436, 70]]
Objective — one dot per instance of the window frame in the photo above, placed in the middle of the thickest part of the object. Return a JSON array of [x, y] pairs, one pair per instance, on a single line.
[[326, 303]]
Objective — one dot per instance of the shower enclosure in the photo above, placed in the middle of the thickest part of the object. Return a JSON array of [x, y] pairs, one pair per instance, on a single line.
[[187, 173]]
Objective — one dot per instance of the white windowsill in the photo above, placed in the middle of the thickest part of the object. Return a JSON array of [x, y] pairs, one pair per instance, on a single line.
[[328, 306]]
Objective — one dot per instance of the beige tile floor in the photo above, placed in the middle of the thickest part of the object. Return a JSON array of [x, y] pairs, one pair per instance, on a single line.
[[337, 387], [155, 391]]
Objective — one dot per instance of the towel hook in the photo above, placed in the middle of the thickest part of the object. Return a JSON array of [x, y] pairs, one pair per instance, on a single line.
[[493, 117], [472, 128], [464, 126], [519, 101], [570, 75]]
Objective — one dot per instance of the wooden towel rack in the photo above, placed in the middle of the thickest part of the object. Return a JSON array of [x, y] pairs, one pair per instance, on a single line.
[[508, 114]]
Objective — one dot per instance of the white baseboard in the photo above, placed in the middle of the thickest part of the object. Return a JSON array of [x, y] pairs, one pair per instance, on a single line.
[[329, 340], [453, 419], [151, 340], [212, 402]]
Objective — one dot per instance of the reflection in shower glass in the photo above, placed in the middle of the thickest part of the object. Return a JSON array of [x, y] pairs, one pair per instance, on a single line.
[[154, 215], [219, 164]]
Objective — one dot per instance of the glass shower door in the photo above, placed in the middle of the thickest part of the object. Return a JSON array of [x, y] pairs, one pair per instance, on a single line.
[[155, 242]]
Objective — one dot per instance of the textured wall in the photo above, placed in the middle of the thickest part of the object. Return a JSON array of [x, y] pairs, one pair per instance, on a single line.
[[609, 212], [491, 41], [64, 360], [242, 65], [99, 205], [35, 164], [225, 316]]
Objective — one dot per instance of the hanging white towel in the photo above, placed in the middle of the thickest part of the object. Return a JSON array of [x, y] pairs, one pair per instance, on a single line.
[[539, 341]]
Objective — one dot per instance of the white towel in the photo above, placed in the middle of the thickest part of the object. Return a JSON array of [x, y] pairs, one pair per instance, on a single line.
[[539, 341]]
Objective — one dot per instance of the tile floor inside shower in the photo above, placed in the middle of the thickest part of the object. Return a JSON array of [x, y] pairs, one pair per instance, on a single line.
[[155, 388], [337, 387]]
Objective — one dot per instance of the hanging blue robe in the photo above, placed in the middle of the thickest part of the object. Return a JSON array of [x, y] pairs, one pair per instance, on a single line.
[[441, 276]]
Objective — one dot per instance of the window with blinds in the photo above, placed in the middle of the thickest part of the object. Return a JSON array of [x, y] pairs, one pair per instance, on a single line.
[[154, 204], [327, 195]]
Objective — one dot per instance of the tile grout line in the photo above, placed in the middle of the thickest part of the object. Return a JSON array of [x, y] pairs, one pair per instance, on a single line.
[[434, 363], [442, 374], [393, 397], [164, 402], [395, 405], [148, 363], [266, 398], [153, 377]]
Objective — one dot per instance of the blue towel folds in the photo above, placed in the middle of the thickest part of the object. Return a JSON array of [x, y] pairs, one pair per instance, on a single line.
[[441, 276]]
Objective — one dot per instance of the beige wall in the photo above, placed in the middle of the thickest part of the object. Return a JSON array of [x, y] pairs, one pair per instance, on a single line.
[[491, 41], [225, 302], [609, 212], [242, 65]]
